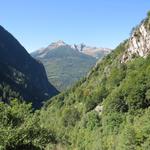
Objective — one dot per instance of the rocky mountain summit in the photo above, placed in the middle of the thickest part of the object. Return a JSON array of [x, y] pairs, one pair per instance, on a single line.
[[65, 64], [95, 52], [42, 52], [92, 51]]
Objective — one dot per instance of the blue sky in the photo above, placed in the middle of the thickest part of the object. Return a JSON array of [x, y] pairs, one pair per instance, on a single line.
[[103, 23]]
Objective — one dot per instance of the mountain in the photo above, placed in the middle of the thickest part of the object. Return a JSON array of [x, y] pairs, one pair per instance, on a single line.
[[98, 53], [64, 64], [109, 109], [20, 74]]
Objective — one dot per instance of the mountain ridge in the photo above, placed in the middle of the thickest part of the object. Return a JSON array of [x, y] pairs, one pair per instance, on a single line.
[[21, 72], [64, 63], [88, 50], [96, 52]]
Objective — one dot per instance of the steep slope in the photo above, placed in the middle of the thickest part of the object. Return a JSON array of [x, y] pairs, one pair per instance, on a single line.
[[64, 65], [20, 74], [110, 108]]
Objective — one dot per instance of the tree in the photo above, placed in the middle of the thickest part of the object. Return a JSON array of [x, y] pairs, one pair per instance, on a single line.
[[148, 14], [70, 116], [128, 139], [20, 128]]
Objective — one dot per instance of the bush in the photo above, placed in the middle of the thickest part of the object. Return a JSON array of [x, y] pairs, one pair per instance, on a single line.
[[91, 120], [148, 14], [70, 117], [20, 129]]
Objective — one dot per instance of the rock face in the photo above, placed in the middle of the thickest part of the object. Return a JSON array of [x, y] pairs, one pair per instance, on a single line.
[[96, 52], [139, 42], [21, 72], [99, 109]]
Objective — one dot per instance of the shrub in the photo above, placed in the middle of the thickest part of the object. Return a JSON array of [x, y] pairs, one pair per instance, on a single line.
[[70, 116]]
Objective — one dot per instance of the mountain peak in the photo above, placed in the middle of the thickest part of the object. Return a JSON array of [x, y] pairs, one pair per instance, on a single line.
[[58, 43], [82, 48], [92, 51]]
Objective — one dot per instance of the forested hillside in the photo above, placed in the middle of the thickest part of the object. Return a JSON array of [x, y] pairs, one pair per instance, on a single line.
[[64, 65], [109, 109], [21, 76]]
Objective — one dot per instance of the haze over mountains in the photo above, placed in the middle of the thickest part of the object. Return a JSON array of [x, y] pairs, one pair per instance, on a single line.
[[65, 64]]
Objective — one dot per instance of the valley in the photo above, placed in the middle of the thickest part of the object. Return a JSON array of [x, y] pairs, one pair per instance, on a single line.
[[66, 64], [75, 97]]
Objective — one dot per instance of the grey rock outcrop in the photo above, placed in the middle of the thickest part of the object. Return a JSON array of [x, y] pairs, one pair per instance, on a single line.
[[139, 43]]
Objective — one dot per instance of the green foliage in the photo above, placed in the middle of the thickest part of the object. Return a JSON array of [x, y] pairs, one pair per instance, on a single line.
[[70, 117], [20, 128], [7, 93], [122, 91], [65, 66], [90, 104], [21, 76], [148, 14], [115, 102], [73, 120], [107, 110], [112, 122], [91, 121], [128, 138]]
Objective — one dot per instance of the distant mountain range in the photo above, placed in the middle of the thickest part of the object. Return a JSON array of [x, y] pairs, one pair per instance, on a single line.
[[65, 64], [21, 76], [96, 52]]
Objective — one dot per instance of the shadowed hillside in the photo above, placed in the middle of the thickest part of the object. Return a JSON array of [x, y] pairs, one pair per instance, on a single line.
[[20, 74]]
